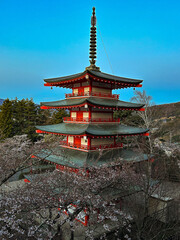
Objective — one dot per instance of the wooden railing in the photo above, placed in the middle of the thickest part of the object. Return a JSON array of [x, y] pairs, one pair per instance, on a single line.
[[94, 147], [75, 119], [94, 94], [105, 146]]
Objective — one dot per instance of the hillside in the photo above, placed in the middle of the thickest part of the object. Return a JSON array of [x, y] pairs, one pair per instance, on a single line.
[[167, 110], [167, 118]]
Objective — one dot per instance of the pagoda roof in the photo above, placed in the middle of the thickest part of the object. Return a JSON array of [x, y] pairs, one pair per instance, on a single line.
[[91, 129], [95, 75], [79, 159], [93, 101]]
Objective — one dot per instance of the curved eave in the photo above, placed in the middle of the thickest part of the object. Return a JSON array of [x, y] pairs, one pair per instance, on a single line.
[[115, 81], [79, 159], [91, 130], [64, 80], [110, 77], [63, 103], [115, 104], [93, 102]]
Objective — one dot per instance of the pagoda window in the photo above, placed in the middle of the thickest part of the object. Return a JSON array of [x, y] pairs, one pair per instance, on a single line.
[[73, 114], [70, 140], [75, 91], [85, 115], [86, 90], [84, 142]]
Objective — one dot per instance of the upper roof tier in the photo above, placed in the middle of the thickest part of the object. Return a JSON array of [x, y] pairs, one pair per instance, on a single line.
[[92, 101], [91, 129], [97, 76], [93, 73]]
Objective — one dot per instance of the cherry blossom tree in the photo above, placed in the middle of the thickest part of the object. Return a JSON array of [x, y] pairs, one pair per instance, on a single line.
[[16, 155], [39, 208], [113, 198]]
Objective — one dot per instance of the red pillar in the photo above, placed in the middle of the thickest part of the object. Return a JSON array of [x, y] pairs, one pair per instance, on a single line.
[[90, 114], [90, 87], [89, 142]]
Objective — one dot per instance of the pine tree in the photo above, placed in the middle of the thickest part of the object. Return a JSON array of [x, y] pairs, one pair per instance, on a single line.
[[43, 116], [31, 119], [6, 119], [19, 116], [58, 115]]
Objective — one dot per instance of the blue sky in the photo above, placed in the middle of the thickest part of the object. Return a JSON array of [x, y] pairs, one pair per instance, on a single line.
[[43, 39]]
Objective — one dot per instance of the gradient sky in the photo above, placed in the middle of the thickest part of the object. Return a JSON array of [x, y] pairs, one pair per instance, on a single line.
[[50, 38]]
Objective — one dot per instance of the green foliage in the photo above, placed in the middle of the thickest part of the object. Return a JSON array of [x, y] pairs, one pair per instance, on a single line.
[[128, 117], [30, 119], [58, 115], [6, 119], [43, 116], [18, 117]]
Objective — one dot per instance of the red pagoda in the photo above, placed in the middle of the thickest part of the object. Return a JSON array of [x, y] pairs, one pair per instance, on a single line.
[[91, 126]]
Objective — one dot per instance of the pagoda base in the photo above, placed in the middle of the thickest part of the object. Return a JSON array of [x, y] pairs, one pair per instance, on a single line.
[[80, 159]]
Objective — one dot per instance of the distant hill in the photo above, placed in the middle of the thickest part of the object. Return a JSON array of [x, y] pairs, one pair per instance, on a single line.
[[167, 110], [167, 117], [1, 101]]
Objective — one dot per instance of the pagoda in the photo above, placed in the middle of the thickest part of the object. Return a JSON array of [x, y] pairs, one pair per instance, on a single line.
[[91, 127]]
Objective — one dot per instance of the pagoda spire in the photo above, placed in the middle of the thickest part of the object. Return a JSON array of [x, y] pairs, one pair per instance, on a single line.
[[92, 49]]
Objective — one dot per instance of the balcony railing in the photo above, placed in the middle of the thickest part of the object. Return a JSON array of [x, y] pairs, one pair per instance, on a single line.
[[105, 146], [92, 94], [87, 120], [94, 147]]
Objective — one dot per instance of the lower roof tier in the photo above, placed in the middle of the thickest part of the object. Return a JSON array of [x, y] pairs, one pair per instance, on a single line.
[[94, 102], [77, 159], [91, 129]]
